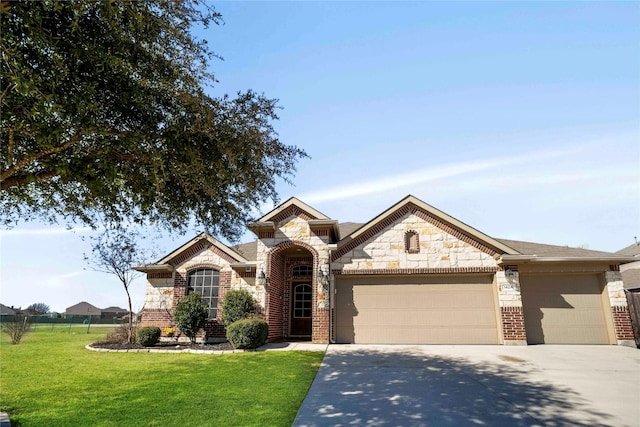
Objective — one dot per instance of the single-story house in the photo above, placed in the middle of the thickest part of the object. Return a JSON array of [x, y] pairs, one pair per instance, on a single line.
[[83, 309], [113, 312], [411, 275], [6, 311]]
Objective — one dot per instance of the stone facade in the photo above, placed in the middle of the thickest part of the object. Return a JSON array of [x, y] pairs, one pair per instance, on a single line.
[[437, 250]]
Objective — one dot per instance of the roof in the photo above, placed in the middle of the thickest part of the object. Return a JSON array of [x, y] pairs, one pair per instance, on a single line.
[[631, 250], [6, 310], [543, 250], [83, 307], [347, 228], [165, 264], [116, 309], [631, 278], [293, 201], [248, 250]]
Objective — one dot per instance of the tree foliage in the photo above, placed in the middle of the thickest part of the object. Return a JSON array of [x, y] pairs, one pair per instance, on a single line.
[[37, 308], [104, 115], [191, 315], [116, 251], [238, 304]]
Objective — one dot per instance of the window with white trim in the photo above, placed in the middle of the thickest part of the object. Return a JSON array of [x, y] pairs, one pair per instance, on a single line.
[[206, 282]]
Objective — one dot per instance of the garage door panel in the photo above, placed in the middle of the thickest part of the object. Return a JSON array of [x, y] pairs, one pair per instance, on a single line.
[[564, 309], [416, 313]]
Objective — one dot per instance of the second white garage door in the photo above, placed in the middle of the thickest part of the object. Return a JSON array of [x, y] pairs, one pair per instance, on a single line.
[[416, 310]]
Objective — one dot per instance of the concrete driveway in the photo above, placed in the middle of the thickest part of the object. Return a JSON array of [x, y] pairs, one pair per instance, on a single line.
[[475, 386]]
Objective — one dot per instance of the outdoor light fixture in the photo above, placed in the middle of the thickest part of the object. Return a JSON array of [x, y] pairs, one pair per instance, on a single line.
[[262, 279], [510, 275], [322, 278]]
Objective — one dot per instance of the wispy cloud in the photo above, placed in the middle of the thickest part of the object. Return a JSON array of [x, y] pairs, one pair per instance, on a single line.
[[391, 182], [53, 231]]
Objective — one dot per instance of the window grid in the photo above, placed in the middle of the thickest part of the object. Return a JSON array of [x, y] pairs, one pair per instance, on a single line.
[[301, 271], [206, 282], [302, 301]]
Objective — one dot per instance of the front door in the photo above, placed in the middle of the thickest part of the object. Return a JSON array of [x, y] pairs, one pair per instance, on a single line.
[[301, 309]]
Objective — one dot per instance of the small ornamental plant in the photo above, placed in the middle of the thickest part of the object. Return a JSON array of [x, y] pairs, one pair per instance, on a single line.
[[169, 332]]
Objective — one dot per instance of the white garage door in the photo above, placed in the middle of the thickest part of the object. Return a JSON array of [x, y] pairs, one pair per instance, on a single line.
[[416, 310], [564, 309]]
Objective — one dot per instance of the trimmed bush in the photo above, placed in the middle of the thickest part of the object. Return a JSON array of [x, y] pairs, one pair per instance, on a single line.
[[191, 315], [148, 336], [238, 304], [248, 333]]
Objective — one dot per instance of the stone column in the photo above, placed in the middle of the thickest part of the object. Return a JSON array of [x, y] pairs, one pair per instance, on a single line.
[[510, 299]]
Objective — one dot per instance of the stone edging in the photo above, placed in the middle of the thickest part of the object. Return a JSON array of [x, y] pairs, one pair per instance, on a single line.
[[157, 350]]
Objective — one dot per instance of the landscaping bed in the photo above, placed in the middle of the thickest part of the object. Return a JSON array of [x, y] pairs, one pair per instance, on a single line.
[[181, 346]]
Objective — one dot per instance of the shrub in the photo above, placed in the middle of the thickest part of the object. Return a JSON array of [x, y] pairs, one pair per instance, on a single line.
[[16, 328], [191, 315], [148, 336], [119, 336], [248, 333], [238, 304]]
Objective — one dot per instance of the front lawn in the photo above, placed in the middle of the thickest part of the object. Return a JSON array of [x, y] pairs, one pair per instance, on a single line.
[[51, 379]]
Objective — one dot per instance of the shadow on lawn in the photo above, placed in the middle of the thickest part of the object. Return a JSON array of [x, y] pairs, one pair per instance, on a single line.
[[370, 387]]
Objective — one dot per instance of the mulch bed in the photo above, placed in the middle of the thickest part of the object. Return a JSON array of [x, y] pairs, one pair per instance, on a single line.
[[164, 346]]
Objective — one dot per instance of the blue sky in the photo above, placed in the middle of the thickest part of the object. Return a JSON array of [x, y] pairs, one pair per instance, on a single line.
[[519, 119]]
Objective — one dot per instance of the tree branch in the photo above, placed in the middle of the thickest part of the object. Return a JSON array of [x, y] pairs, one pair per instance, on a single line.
[[26, 179], [29, 159]]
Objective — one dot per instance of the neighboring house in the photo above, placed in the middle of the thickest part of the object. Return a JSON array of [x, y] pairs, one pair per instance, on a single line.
[[6, 311], [631, 278], [83, 309], [631, 271], [114, 313], [411, 275]]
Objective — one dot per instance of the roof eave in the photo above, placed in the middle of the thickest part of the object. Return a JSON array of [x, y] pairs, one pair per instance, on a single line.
[[154, 268], [534, 258]]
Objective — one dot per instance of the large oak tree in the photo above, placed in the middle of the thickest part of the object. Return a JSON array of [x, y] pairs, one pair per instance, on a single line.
[[104, 117]]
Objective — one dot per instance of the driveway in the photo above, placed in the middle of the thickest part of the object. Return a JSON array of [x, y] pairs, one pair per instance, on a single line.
[[475, 386]]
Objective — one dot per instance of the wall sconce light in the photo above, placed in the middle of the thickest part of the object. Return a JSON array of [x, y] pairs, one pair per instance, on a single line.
[[322, 278], [262, 279], [510, 275]]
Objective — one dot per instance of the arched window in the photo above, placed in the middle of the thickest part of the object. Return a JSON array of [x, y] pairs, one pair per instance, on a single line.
[[206, 282], [411, 242], [301, 271]]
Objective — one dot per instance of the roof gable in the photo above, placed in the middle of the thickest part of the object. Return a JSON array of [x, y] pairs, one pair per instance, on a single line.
[[411, 204], [197, 244], [292, 207]]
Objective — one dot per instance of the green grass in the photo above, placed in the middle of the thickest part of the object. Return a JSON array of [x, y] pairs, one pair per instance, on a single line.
[[51, 379]]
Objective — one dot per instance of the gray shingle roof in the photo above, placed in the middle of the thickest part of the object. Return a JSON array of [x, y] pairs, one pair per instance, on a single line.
[[542, 250], [248, 250], [631, 250], [631, 278]]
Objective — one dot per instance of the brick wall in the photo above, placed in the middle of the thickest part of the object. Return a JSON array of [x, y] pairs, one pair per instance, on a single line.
[[622, 323], [513, 324]]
